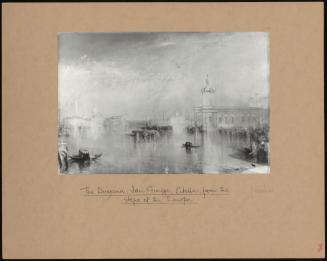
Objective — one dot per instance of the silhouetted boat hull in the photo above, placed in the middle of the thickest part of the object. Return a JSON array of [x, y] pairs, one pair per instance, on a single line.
[[84, 156]]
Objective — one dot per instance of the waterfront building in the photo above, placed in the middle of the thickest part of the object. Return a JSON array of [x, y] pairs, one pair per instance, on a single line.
[[215, 117], [211, 117], [74, 126], [114, 124], [81, 126]]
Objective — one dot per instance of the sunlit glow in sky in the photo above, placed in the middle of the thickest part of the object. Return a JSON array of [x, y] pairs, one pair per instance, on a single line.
[[140, 75]]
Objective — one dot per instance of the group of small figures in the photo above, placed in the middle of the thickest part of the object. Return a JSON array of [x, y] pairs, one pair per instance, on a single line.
[[145, 135], [260, 152]]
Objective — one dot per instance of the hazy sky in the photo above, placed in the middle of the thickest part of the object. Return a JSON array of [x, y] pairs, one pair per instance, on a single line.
[[145, 74]]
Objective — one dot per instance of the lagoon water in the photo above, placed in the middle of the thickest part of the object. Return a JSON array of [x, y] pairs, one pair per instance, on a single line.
[[121, 153]]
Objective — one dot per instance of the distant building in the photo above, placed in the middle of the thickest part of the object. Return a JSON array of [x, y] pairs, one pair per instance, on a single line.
[[74, 126], [159, 122], [114, 124], [96, 124], [78, 126], [138, 124], [211, 117]]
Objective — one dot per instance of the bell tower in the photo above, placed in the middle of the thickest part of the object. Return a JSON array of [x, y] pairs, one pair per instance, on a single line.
[[207, 105], [207, 94]]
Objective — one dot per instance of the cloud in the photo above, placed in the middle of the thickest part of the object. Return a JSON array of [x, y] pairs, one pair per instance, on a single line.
[[163, 44], [134, 77]]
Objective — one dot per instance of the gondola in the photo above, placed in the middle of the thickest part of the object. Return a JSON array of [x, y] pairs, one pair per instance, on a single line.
[[189, 145], [84, 155]]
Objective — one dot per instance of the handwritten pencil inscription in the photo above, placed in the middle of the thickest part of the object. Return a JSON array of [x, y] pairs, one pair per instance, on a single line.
[[152, 195]]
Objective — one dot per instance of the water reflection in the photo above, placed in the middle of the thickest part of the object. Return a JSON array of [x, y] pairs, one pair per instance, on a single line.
[[124, 153]]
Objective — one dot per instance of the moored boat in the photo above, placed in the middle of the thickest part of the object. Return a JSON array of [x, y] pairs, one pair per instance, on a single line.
[[84, 155]]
